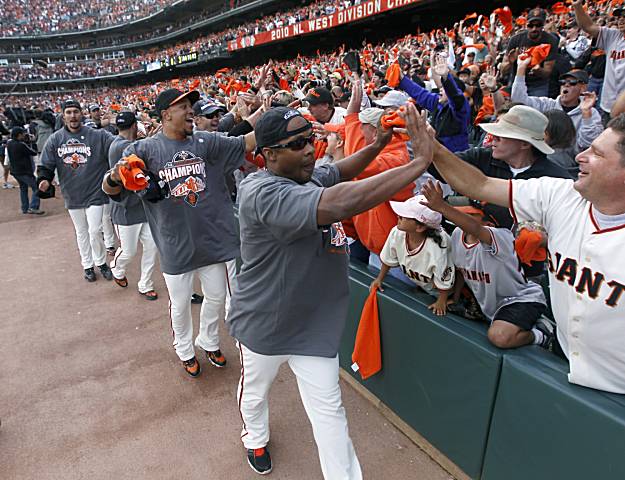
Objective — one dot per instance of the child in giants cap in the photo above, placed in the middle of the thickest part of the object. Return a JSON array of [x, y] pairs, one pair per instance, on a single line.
[[422, 249]]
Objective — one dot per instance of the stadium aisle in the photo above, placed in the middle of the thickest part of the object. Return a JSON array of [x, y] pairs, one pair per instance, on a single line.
[[90, 387]]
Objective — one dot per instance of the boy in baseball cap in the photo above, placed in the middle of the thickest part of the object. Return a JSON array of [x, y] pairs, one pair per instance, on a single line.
[[422, 249]]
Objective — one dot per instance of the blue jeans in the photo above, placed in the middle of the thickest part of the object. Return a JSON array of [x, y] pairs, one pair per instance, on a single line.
[[595, 85], [24, 182]]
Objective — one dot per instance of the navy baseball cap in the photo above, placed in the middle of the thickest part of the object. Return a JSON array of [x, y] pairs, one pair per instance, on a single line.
[[169, 97], [273, 126], [125, 120], [207, 107], [319, 95], [71, 103], [579, 75]]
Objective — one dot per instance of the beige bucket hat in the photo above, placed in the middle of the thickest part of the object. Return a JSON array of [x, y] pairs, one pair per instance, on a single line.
[[521, 123]]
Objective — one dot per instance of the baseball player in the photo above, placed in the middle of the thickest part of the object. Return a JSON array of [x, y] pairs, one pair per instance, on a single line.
[[291, 296], [489, 265], [585, 222], [80, 156], [191, 217], [129, 218]]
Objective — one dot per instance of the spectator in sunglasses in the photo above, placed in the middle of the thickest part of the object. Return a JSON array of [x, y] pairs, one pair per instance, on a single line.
[[574, 99], [534, 35]]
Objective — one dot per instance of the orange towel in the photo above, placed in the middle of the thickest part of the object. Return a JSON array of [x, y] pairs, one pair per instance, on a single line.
[[538, 54], [392, 75], [133, 178], [527, 246], [559, 8], [367, 355]]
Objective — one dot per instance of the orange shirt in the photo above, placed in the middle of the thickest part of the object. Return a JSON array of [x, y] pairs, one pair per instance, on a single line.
[[373, 226]]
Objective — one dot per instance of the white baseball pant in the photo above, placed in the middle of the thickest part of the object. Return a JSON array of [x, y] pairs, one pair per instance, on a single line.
[[231, 266], [318, 383], [180, 288], [129, 237], [88, 226], [107, 227]]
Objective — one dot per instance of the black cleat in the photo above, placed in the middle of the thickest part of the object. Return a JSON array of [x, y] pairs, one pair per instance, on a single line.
[[106, 271], [196, 298], [90, 274], [259, 460]]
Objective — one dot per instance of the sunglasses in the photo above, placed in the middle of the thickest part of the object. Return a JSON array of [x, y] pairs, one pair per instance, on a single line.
[[570, 83], [297, 144], [534, 25], [216, 114]]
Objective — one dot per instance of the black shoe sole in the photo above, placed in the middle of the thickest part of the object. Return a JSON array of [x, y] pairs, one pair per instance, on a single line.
[[90, 280], [266, 472]]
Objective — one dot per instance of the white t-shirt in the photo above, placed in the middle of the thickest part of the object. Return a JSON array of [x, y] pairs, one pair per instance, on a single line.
[[429, 266], [493, 272], [613, 42], [587, 279]]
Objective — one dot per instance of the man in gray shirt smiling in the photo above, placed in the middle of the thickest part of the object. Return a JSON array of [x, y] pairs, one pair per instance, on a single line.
[[190, 214], [291, 296], [80, 156]]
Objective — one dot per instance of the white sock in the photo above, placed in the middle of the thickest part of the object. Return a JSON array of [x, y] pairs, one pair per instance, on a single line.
[[538, 336]]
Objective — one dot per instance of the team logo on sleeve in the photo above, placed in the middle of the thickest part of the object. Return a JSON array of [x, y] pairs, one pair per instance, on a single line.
[[185, 174], [74, 153]]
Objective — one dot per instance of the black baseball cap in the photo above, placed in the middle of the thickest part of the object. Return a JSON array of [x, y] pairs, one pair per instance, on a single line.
[[579, 75], [618, 12], [273, 126], [537, 14], [319, 95], [125, 120], [71, 103], [207, 107], [169, 97], [15, 131]]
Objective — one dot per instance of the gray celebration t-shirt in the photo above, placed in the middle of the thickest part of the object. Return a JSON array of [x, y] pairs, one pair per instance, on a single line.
[[291, 296], [195, 225], [127, 209], [81, 160]]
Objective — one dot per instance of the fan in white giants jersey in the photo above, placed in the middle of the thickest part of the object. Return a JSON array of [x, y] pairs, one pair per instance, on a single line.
[[585, 221]]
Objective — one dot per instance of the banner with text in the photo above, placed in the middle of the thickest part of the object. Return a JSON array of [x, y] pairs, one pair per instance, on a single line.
[[340, 17]]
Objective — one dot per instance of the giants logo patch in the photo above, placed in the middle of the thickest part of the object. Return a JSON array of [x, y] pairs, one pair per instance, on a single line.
[[74, 153], [186, 176]]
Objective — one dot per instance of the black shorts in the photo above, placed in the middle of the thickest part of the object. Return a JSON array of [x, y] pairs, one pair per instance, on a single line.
[[521, 314]]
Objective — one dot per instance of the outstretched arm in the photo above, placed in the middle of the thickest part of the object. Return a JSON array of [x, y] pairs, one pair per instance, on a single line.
[[468, 180], [584, 21]]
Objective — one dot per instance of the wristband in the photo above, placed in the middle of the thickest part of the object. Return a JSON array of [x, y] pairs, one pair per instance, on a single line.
[[110, 182]]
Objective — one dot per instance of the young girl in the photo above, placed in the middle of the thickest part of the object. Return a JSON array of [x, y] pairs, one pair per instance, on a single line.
[[421, 248]]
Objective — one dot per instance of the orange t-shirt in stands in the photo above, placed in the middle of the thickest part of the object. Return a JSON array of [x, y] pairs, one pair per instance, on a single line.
[[373, 226]]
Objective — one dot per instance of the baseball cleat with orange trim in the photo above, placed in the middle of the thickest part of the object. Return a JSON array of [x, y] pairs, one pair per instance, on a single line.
[[192, 367]]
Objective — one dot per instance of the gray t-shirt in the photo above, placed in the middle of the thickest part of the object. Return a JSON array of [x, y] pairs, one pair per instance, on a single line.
[[81, 160], [493, 272], [195, 225], [127, 209], [291, 296]]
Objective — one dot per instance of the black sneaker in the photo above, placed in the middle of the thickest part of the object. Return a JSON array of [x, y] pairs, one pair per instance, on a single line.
[[547, 327], [192, 367], [216, 358], [196, 298], [90, 274], [259, 460], [106, 271]]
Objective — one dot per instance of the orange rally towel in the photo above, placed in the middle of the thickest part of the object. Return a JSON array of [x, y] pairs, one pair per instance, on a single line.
[[393, 119], [527, 246], [538, 54], [392, 75], [367, 355], [559, 8], [133, 178]]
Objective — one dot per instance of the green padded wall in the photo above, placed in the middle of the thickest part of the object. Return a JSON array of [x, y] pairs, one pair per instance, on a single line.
[[545, 428], [439, 375]]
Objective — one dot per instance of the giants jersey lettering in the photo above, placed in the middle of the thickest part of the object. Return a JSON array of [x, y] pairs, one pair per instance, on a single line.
[[586, 279]]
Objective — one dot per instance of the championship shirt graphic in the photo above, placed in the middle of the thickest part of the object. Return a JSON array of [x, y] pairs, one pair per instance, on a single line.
[[185, 174], [335, 239], [74, 153]]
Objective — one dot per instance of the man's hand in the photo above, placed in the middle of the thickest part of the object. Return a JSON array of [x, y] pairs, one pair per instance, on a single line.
[[44, 185], [434, 196], [440, 66], [376, 284], [439, 307], [114, 172], [489, 78], [588, 101], [522, 65], [383, 135], [421, 136]]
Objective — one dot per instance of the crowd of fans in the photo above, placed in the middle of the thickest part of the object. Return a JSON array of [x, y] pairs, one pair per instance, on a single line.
[[27, 17], [548, 80]]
